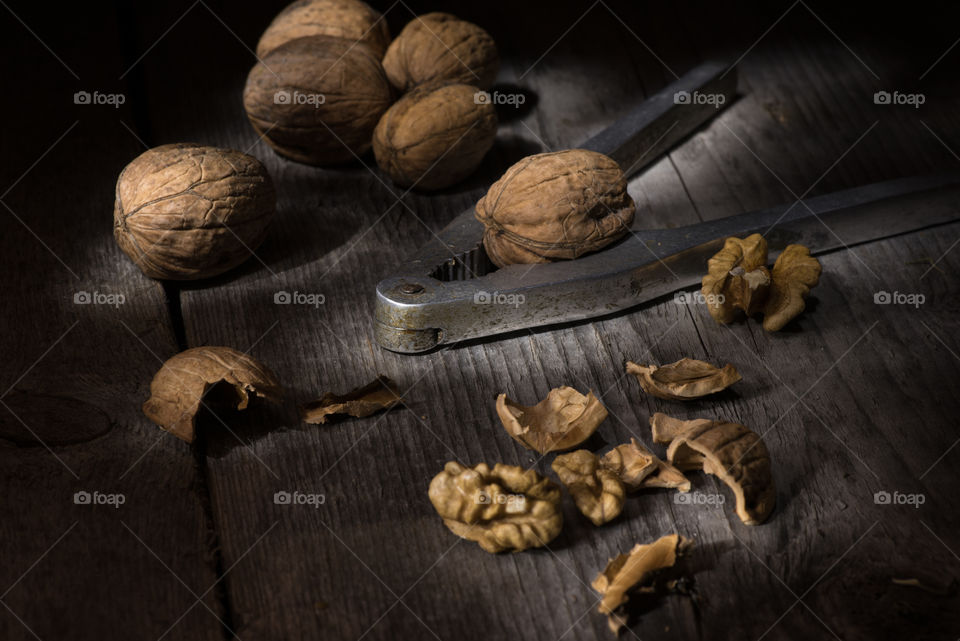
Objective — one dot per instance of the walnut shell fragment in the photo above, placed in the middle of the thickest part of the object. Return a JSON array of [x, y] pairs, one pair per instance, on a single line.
[[597, 491], [731, 452], [317, 99], [635, 570], [178, 389], [639, 468], [737, 278], [352, 20], [684, 380], [794, 274], [187, 211], [561, 421], [440, 46], [435, 136], [381, 394], [666, 428], [504, 508], [555, 206]]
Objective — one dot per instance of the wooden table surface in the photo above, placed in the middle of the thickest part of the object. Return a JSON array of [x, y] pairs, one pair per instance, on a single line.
[[852, 398]]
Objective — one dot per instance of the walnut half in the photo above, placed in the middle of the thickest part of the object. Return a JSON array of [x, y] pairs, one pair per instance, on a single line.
[[504, 508], [177, 391], [731, 452]]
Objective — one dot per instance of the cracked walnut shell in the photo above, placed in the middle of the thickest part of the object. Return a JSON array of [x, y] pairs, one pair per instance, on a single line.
[[440, 46], [638, 468], [178, 390], [684, 380], [435, 136], [504, 508], [737, 278], [555, 206], [634, 570], [597, 491], [563, 420], [352, 20], [317, 99], [187, 211], [731, 452]]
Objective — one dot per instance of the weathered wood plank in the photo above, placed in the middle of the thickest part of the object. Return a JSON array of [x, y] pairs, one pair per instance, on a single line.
[[74, 374], [339, 570]]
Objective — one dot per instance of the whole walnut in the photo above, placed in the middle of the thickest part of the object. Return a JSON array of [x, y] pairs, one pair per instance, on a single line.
[[187, 211], [353, 20], [434, 136], [317, 99], [555, 206], [439, 46]]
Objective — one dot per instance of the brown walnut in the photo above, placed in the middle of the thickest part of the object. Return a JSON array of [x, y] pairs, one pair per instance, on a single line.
[[187, 211], [794, 274], [317, 99], [555, 206], [435, 136], [181, 386], [439, 46], [348, 19], [504, 508], [737, 278]]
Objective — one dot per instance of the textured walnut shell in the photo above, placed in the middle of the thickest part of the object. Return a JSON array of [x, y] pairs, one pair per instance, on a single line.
[[178, 389], [506, 508], [435, 136], [439, 46], [188, 211], [563, 420], [737, 278], [731, 452], [555, 206], [634, 570], [351, 20], [794, 274], [597, 491], [317, 99], [380, 394], [684, 380]]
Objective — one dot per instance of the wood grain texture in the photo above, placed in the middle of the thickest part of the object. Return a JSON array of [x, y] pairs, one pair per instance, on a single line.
[[74, 375], [852, 398]]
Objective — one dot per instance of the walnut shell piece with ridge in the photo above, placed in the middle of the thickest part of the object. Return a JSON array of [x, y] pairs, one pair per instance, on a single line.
[[732, 452], [187, 211], [440, 46], [352, 20], [181, 385], [555, 206], [434, 136], [317, 99]]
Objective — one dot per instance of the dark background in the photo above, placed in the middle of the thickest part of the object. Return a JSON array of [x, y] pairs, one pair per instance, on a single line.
[[199, 550]]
